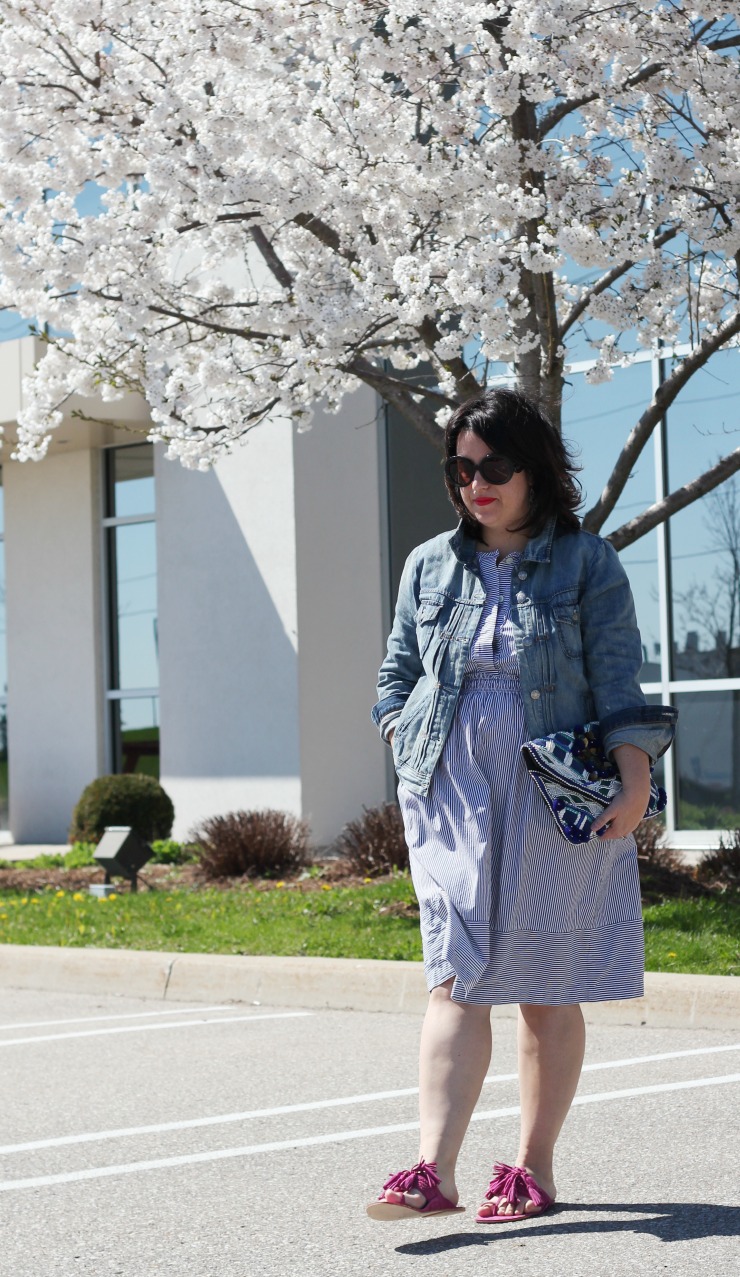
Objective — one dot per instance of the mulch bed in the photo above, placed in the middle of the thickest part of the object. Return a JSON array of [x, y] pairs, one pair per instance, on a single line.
[[168, 877]]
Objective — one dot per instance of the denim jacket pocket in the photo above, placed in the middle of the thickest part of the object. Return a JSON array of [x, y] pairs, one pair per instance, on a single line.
[[567, 616], [427, 621]]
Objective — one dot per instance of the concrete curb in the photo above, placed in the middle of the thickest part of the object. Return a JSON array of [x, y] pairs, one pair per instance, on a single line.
[[670, 1001]]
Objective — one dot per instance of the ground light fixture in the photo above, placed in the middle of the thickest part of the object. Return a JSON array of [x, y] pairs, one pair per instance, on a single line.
[[121, 853]]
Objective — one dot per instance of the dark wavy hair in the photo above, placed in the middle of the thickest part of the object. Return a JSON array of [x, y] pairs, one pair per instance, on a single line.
[[514, 427]]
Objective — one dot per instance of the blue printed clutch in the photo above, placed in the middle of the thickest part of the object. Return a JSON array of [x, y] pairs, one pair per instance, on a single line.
[[577, 780]]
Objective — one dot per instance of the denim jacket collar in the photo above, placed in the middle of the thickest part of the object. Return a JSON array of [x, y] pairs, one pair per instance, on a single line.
[[538, 548]]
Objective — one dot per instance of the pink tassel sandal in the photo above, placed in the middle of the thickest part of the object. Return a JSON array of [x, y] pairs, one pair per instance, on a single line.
[[513, 1183], [422, 1178]]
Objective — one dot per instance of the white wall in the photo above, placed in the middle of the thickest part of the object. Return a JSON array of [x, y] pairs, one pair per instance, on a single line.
[[54, 609], [227, 631], [341, 635]]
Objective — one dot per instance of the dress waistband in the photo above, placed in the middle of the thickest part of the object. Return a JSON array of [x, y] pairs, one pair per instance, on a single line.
[[490, 680]]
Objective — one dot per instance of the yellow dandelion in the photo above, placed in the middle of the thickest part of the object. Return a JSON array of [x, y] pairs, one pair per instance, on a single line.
[[113, 896], [24, 901], [280, 884], [78, 896], [367, 880], [34, 902], [61, 892], [81, 927], [325, 886], [672, 954], [3, 917]]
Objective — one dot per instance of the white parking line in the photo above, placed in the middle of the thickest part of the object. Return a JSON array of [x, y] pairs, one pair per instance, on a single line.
[[159, 1128], [335, 1137], [130, 1015], [154, 1028]]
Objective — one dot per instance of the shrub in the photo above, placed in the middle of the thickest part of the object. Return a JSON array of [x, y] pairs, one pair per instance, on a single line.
[[168, 852], [79, 855], [650, 837], [375, 843], [132, 799], [251, 844], [722, 867]]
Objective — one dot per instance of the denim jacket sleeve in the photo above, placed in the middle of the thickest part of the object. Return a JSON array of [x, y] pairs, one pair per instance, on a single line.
[[613, 657], [402, 667]]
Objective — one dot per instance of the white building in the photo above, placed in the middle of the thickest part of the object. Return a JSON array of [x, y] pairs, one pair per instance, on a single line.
[[223, 630]]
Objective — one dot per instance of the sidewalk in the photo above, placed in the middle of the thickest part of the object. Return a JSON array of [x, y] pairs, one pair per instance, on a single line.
[[670, 1001]]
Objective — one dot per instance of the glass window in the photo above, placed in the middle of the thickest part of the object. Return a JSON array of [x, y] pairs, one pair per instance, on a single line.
[[132, 601], [708, 760], [705, 537], [134, 554], [136, 734], [597, 420], [133, 481], [3, 673]]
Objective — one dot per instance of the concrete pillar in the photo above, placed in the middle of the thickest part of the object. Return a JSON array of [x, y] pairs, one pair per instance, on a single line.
[[341, 619], [227, 631], [53, 544]]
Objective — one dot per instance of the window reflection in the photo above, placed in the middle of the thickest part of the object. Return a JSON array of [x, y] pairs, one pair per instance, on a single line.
[[133, 480], [135, 558], [705, 537], [132, 594], [136, 735], [597, 420], [4, 819], [708, 760]]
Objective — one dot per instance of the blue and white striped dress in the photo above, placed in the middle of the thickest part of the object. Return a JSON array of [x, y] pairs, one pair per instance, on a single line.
[[509, 908]]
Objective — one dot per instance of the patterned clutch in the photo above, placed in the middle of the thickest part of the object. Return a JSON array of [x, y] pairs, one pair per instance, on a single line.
[[577, 780]]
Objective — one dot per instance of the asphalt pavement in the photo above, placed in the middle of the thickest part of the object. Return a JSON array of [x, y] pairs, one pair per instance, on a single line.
[[142, 1138]]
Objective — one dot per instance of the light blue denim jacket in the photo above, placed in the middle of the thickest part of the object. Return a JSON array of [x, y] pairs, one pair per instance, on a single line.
[[575, 633]]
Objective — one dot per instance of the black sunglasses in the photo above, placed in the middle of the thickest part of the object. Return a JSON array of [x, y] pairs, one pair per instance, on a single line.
[[497, 470]]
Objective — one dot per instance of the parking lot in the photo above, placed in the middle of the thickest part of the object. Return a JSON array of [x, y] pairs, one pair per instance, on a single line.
[[140, 1138]]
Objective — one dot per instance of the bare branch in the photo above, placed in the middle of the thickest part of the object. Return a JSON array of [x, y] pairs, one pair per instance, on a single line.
[[606, 281], [661, 401], [558, 113], [223, 217], [465, 379], [325, 234], [279, 270], [677, 500], [395, 393]]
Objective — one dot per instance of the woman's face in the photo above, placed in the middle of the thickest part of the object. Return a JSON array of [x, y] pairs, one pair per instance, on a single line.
[[496, 507]]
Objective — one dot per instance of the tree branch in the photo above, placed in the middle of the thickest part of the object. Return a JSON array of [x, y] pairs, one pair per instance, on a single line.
[[325, 234], [465, 379], [677, 500], [606, 281], [280, 271], [558, 113], [661, 401], [394, 393]]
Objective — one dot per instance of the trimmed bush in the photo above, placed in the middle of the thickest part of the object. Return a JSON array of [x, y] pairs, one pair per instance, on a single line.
[[375, 843], [132, 799], [251, 844]]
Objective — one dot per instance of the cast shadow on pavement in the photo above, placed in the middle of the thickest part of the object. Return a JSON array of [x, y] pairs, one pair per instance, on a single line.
[[668, 1222]]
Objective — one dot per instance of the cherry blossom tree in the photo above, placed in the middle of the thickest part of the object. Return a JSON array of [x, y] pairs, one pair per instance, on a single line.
[[299, 196]]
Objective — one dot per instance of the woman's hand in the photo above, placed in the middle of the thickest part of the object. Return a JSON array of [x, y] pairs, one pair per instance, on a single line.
[[625, 812]]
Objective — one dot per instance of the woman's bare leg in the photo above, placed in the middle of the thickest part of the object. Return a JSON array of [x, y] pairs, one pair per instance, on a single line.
[[551, 1046], [454, 1057]]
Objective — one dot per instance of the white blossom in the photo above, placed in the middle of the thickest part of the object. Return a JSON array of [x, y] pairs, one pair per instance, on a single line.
[[291, 194]]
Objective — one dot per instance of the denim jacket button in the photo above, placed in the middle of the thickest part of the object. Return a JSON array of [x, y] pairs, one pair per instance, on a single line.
[[535, 695], [522, 576]]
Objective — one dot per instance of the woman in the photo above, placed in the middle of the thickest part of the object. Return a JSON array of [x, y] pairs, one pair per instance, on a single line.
[[515, 625]]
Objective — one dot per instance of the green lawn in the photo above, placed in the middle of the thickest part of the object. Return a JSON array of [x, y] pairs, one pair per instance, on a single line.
[[374, 920], [700, 935]]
